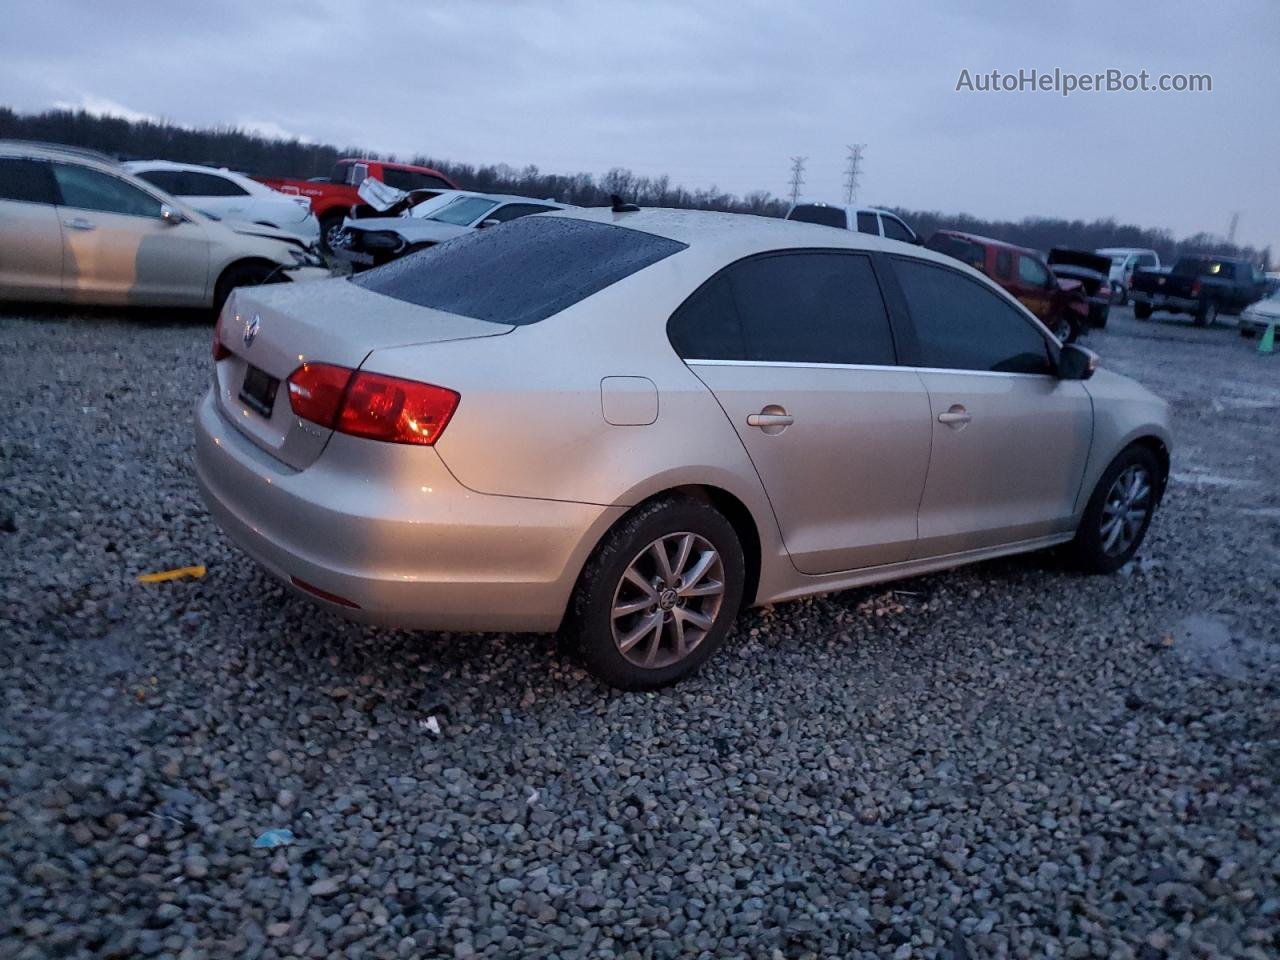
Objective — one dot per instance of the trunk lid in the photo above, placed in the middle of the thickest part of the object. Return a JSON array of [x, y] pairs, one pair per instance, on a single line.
[[277, 328]]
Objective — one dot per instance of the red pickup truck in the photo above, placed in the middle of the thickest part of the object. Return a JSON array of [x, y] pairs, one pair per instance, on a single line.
[[333, 197]]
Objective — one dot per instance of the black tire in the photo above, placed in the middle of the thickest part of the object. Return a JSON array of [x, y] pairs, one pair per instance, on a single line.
[[1090, 547], [1099, 317], [1067, 327], [1206, 314], [1248, 333], [1142, 311], [1123, 298], [590, 625], [330, 224], [242, 275]]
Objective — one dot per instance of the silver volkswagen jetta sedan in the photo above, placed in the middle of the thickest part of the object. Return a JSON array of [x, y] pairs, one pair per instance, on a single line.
[[629, 424]]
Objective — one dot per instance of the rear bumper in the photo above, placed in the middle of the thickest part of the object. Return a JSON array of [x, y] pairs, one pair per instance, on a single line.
[[1161, 301], [403, 539]]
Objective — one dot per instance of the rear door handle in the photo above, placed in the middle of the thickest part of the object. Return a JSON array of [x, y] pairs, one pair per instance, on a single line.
[[770, 420], [78, 223], [957, 416]]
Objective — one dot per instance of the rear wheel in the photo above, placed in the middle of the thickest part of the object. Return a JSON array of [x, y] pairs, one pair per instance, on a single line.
[[243, 275], [658, 595], [1065, 327], [1142, 311], [1206, 314], [1119, 511]]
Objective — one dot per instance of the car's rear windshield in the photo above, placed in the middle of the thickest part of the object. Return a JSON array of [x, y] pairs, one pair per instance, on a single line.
[[1204, 267], [817, 213], [519, 272]]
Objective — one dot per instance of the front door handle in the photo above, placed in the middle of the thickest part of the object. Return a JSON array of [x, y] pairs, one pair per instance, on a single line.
[[956, 417], [771, 419], [78, 223]]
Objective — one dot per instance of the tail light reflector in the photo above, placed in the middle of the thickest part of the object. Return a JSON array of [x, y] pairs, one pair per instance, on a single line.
[[371, 405], [1195, 289]]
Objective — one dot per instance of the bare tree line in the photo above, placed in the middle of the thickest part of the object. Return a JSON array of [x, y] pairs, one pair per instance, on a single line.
[[251, 153]]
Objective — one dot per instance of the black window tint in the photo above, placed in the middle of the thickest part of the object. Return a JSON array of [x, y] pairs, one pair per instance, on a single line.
[[1004, 264], [522, 272], [88, 189], [1032, 271], [339, 173], [513, 211], [867, 222], [706, 325], [811, 308], [966, 251], [819, 213], [29, 181], [895, 229], [210, 185], [412, 180], [961, 325], [170, 181]]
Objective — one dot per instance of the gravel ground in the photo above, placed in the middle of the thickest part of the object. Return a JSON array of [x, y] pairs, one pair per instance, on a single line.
[[1006, 760]]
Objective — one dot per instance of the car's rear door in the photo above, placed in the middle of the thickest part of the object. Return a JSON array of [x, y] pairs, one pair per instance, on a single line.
[[798, 350], [117, 249], [30, 234], [1010, 439]]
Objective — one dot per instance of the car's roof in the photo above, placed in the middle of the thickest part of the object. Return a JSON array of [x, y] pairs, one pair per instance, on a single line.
[[53, 151], [1106, 250], [743, 231], [512, 198], [174, 165], [853, 207], [990, 241]]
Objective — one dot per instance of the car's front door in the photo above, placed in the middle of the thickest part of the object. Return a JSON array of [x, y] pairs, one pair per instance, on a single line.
[[117, 249], [1010, 439], [798, 350], [30, 234]]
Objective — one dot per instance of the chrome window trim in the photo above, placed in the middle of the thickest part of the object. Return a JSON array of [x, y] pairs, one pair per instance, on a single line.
[[805, 365]]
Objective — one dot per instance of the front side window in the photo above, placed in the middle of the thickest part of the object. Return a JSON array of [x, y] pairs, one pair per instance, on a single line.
[[961, 325], [530, 269], [895, 229], [463, 211], [88, 189], [1032, 271], [1147, 260], [27, 181], [1004, 264], [818, 213], [804, 307], [867, 222], [197, 184]]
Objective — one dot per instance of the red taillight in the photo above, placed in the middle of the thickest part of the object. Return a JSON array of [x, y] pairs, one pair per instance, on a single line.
[[371, 405], [1195, 288]]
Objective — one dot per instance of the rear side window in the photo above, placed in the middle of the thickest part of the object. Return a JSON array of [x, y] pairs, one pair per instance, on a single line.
[[820, 214], [170, 181], [1004, 264], [804, 307], [412, 180], [867, 223], [966, 251], [513, 211], [28, 181], [961, 325], [520, 272]]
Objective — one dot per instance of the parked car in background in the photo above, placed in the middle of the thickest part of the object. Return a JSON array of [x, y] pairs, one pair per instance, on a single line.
[[1256, 317], [230, 196], [76, 226], [632, 424], [1094, 273], [1124, 260], [872, 220], [1061, 305], [332, 199], [1201, 285], [378, 240]]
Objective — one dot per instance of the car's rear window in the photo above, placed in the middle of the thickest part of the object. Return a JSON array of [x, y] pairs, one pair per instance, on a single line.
[[519, 272], [818, 213]]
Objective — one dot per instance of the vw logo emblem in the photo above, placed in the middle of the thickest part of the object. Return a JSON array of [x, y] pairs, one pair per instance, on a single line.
[[251, 329]]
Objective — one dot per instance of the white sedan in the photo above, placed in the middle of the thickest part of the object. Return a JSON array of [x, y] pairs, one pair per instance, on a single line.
[[229, 195]]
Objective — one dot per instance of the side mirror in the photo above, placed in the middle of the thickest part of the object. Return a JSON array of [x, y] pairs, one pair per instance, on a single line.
[[1076, 362], [172, 216], [487, 223]]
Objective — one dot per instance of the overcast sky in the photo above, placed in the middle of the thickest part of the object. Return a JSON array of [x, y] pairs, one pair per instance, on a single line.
[[716, 93]]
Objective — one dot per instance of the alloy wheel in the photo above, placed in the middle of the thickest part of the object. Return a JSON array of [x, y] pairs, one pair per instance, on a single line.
[[667, 600], [1125, 510]]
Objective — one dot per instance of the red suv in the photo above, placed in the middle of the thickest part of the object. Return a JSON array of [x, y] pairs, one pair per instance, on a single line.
[[1059, 304]]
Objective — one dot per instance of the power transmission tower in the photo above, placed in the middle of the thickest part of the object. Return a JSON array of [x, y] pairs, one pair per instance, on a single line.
[[797, 176], [853, 172], [1231, 230]]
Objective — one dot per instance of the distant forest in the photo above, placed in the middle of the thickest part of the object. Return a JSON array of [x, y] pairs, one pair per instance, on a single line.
[[250, 153]]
